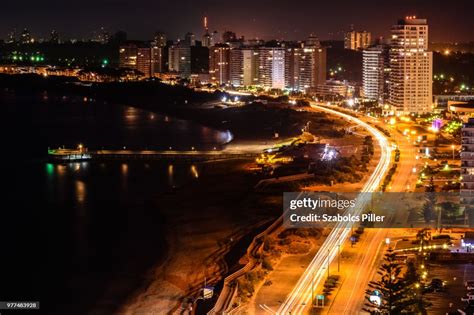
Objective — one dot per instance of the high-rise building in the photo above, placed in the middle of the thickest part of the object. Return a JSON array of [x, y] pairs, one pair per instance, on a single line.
[[157, 60], [141, 57], [355, 40], [128, 55], [179, 60], [228, 37], [144, 61], [25, 36], [219, 64], [305, 65], [373, 73], [207, 39], [159, 40], [189, 39], [411, 67], [104, 36], [11, 37], [199, 59], [272, 67], [54, 37], [312, 41], [244, 66]]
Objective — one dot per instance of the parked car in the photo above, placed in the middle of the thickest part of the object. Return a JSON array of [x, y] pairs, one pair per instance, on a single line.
[[437, 284]]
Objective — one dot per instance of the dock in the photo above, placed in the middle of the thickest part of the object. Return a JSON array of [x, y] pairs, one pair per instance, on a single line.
[[66, 155]]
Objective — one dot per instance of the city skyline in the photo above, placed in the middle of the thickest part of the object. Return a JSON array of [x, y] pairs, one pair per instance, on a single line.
[[253, 20]]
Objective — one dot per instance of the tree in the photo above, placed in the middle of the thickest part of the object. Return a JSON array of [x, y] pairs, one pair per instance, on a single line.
[[428, 207], [393, 288], [431, 186], [449, 210], [423, 236], [412, 279]]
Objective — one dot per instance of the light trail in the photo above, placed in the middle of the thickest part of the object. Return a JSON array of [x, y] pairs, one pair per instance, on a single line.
[[301, 294]]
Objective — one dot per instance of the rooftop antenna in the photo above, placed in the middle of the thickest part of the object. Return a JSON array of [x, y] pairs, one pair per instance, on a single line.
[[205, 23]]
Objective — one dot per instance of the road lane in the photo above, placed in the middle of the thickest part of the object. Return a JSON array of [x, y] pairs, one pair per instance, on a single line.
[[300, 297]]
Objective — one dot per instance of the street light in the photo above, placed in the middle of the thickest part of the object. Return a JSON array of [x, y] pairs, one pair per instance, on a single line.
[[452, 147]]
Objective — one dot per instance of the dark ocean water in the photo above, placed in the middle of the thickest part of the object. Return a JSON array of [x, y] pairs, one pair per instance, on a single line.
[[80, 236]]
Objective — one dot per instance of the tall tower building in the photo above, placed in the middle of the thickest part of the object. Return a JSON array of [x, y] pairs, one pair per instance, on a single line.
[[189, 39], [157, 60], [207, 38], [219, 64], [11, 37], [411, 67], [228, 37], [54, 37], [144, 61], [128, 56], [305, 65], [159, 40], [179, 60], [138, 56], [25, 36], [244, 66], [373, 72], [272, 67], [355, 40]]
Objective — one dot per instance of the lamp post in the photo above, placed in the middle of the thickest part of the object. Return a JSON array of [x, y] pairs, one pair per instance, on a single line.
[[452, 147]]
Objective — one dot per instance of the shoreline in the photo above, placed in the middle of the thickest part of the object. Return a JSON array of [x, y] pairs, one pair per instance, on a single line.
[[202, 216]]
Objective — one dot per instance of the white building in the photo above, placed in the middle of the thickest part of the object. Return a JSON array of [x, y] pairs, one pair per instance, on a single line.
[[272, 67], [373, 68], [179, 60], [411, 66], [244, 66]]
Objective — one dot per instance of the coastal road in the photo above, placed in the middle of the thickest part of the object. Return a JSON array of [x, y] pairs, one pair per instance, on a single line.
[[298, 300], [351, 295]]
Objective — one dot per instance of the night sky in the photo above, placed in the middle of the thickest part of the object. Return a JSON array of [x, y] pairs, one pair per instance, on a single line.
[[290, 19]]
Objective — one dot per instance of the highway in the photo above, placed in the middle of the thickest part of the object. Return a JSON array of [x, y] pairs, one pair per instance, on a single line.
[[299, 299], [351, 295]]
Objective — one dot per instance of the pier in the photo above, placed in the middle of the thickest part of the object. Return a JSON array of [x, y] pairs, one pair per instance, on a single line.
[[67, 155]]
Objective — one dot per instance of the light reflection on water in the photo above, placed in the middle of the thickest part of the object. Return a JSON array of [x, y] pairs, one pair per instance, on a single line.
[[194, 171], [71, 181], [124, 169], [80, 191]]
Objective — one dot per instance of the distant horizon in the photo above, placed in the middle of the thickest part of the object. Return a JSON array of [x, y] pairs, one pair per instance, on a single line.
[[448, 22], [46, 38]]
